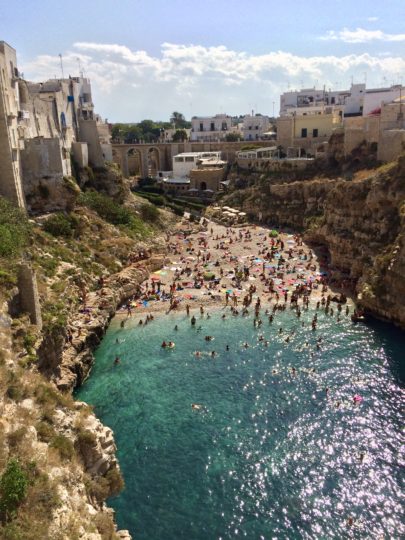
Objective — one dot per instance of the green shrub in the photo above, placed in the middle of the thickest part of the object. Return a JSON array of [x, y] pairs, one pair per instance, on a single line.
[[14, 229], [13, 489], [45, 432], [64, 446], [59, 225], [7, 279], [15, 391], [106, 208], [15, 437], [149, 212]]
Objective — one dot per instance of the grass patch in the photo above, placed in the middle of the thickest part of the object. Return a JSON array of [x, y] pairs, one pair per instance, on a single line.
[[14, 229], [64, 446]]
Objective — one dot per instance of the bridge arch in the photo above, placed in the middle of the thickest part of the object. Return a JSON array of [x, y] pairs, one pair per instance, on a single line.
[[153, 160], [134, 160]]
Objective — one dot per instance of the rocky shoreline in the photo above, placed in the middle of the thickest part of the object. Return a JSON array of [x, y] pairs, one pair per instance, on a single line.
[[68, 363]]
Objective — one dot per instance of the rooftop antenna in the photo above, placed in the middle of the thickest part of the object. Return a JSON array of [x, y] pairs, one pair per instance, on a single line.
[[61, 65], [80, 67]]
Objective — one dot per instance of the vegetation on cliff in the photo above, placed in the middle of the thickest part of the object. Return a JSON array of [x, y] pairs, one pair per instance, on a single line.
[[49, 445]]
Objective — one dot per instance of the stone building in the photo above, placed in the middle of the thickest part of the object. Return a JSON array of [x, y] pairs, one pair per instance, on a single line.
[[42, 127], [255, 126], [210, 128], [10, 166]]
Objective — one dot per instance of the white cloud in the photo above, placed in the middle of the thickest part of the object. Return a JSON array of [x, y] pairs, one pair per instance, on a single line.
[[133, 84], [361, 35], [372, 19]]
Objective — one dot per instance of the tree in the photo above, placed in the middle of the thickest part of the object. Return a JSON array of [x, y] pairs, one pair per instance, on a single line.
[[180, 135], [13, 489], [179, 121], [233, 137]]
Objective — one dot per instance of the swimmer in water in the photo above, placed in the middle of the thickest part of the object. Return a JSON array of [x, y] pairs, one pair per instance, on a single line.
[[117, 361], [176, 327], [227, 348], [196, 407], [164, 345], [197, 354]]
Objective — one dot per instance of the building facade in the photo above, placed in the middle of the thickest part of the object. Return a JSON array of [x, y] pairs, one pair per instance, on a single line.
[[210, 128], [254, 127], [45, 124], [10, 164], [184, 163]]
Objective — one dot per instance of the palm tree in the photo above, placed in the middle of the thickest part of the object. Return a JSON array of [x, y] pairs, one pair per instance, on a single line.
[[177, 119]]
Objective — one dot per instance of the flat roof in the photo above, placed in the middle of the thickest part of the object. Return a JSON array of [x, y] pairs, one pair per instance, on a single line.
[[194, 154], [176, 180], [261, 149]]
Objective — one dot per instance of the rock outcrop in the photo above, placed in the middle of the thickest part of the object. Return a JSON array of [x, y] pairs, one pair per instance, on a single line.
[[360, 221], [69, 363]]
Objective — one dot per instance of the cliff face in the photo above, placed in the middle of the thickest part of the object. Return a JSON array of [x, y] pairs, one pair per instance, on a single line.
[[69, 363], [84, 261], [65, 456], [361, 222]]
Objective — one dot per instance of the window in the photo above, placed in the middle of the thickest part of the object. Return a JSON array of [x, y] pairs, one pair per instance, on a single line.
[[315, 132], [178, 160], [212, 127], [303, 133], [332, 101], [201, 126], [189, 158], [224, 126]]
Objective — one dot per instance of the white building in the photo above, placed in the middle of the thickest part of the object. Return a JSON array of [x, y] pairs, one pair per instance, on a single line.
[[267, 152], [255, 126], [377, 97], [358, 101], [210, 128], [184, 163]]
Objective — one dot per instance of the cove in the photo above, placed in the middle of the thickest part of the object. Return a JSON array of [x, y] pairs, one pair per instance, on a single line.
[[275, 452]]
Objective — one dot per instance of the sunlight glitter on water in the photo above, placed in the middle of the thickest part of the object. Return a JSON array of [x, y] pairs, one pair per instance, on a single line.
[[279, 449]]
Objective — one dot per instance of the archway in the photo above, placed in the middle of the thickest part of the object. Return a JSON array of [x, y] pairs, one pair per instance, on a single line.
[[134, 162], [203, 186], [153, 162]]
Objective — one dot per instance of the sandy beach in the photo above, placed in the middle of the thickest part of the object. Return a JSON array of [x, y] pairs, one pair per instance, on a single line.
[[221, 266]]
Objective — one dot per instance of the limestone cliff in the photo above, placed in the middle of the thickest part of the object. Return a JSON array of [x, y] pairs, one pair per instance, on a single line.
[[88, 261], [361, 222]]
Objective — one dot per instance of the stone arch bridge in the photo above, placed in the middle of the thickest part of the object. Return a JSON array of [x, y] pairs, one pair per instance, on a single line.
[[146, 159]]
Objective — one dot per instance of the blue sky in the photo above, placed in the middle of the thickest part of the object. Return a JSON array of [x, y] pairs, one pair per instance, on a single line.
[[147, 58]]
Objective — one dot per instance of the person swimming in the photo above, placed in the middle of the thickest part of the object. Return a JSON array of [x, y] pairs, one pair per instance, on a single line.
[[117, 361], [196, 406], [164, 345]]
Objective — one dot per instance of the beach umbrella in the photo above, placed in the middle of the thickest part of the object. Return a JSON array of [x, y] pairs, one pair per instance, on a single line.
[[209, 275], [273, 233]]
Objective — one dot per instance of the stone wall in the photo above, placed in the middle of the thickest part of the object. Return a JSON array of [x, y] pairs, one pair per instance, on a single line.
[[28, 294], [210, 177], [89, 134], [43, 176]]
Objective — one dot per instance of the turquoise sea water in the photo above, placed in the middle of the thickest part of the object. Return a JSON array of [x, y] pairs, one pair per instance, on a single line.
[[271, 455]]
